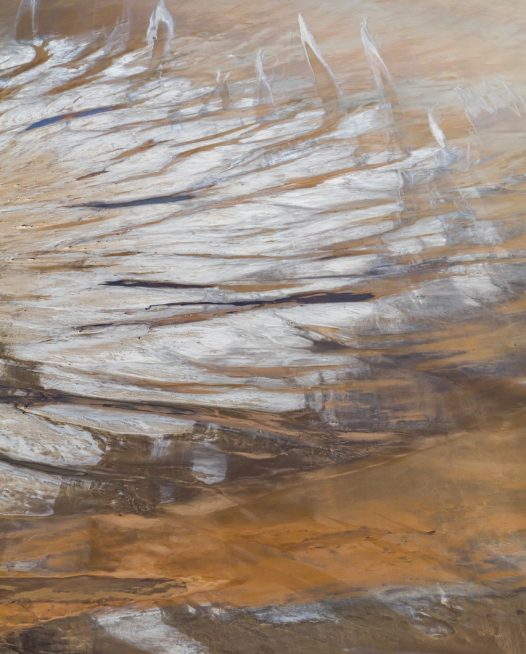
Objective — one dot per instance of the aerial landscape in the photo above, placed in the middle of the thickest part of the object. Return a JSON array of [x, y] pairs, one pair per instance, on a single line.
[[262, 327]]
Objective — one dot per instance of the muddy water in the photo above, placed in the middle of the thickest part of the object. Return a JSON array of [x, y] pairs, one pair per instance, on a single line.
[[262, 343]]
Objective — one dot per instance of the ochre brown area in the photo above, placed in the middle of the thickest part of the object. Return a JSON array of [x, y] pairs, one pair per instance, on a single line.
[[450, 512]]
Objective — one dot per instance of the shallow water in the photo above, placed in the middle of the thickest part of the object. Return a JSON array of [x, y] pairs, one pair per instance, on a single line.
[[262, 343]]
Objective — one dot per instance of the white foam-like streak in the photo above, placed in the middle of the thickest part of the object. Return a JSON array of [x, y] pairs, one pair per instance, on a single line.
[[30, 438], [263, 85], [27, 492], [118, 38], [32, 6], [209, 465], [160, 15], [147, 631], [294, 614], [309, 42], [436, 130], [377, 65], [116, 421]]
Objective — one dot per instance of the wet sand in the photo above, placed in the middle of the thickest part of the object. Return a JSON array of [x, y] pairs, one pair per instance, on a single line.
[[262, 343]]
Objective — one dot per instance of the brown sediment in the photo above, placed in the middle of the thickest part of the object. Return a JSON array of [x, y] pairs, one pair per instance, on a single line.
[[317, 535]]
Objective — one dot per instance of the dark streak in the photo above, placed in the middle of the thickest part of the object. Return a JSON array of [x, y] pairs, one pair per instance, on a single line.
[[137, 283], [74, 114], [326, 347], [88, 175], [300, 298], [233, 307], [155, 199]]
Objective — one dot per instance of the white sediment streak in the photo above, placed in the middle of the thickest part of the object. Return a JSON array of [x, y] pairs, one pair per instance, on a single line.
[[160, 15], [436, 130], [147, 631], [115, 421], [209, 465], [264, 90], [294, 614], [324, 78], [377, 65], [25, 437], [32, 7], [27, 492]]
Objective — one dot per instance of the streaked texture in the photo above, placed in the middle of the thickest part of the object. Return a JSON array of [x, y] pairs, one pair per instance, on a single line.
[[262, 356]]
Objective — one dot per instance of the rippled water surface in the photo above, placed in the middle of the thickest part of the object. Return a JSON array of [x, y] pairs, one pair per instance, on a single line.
[[262, 344]]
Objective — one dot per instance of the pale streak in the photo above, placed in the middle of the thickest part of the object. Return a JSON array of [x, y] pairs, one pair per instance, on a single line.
[[436, 130], [221, 88], [263, 85], [376, 63], [33, 5], [160, 15], [148, 631], [328, 88]]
